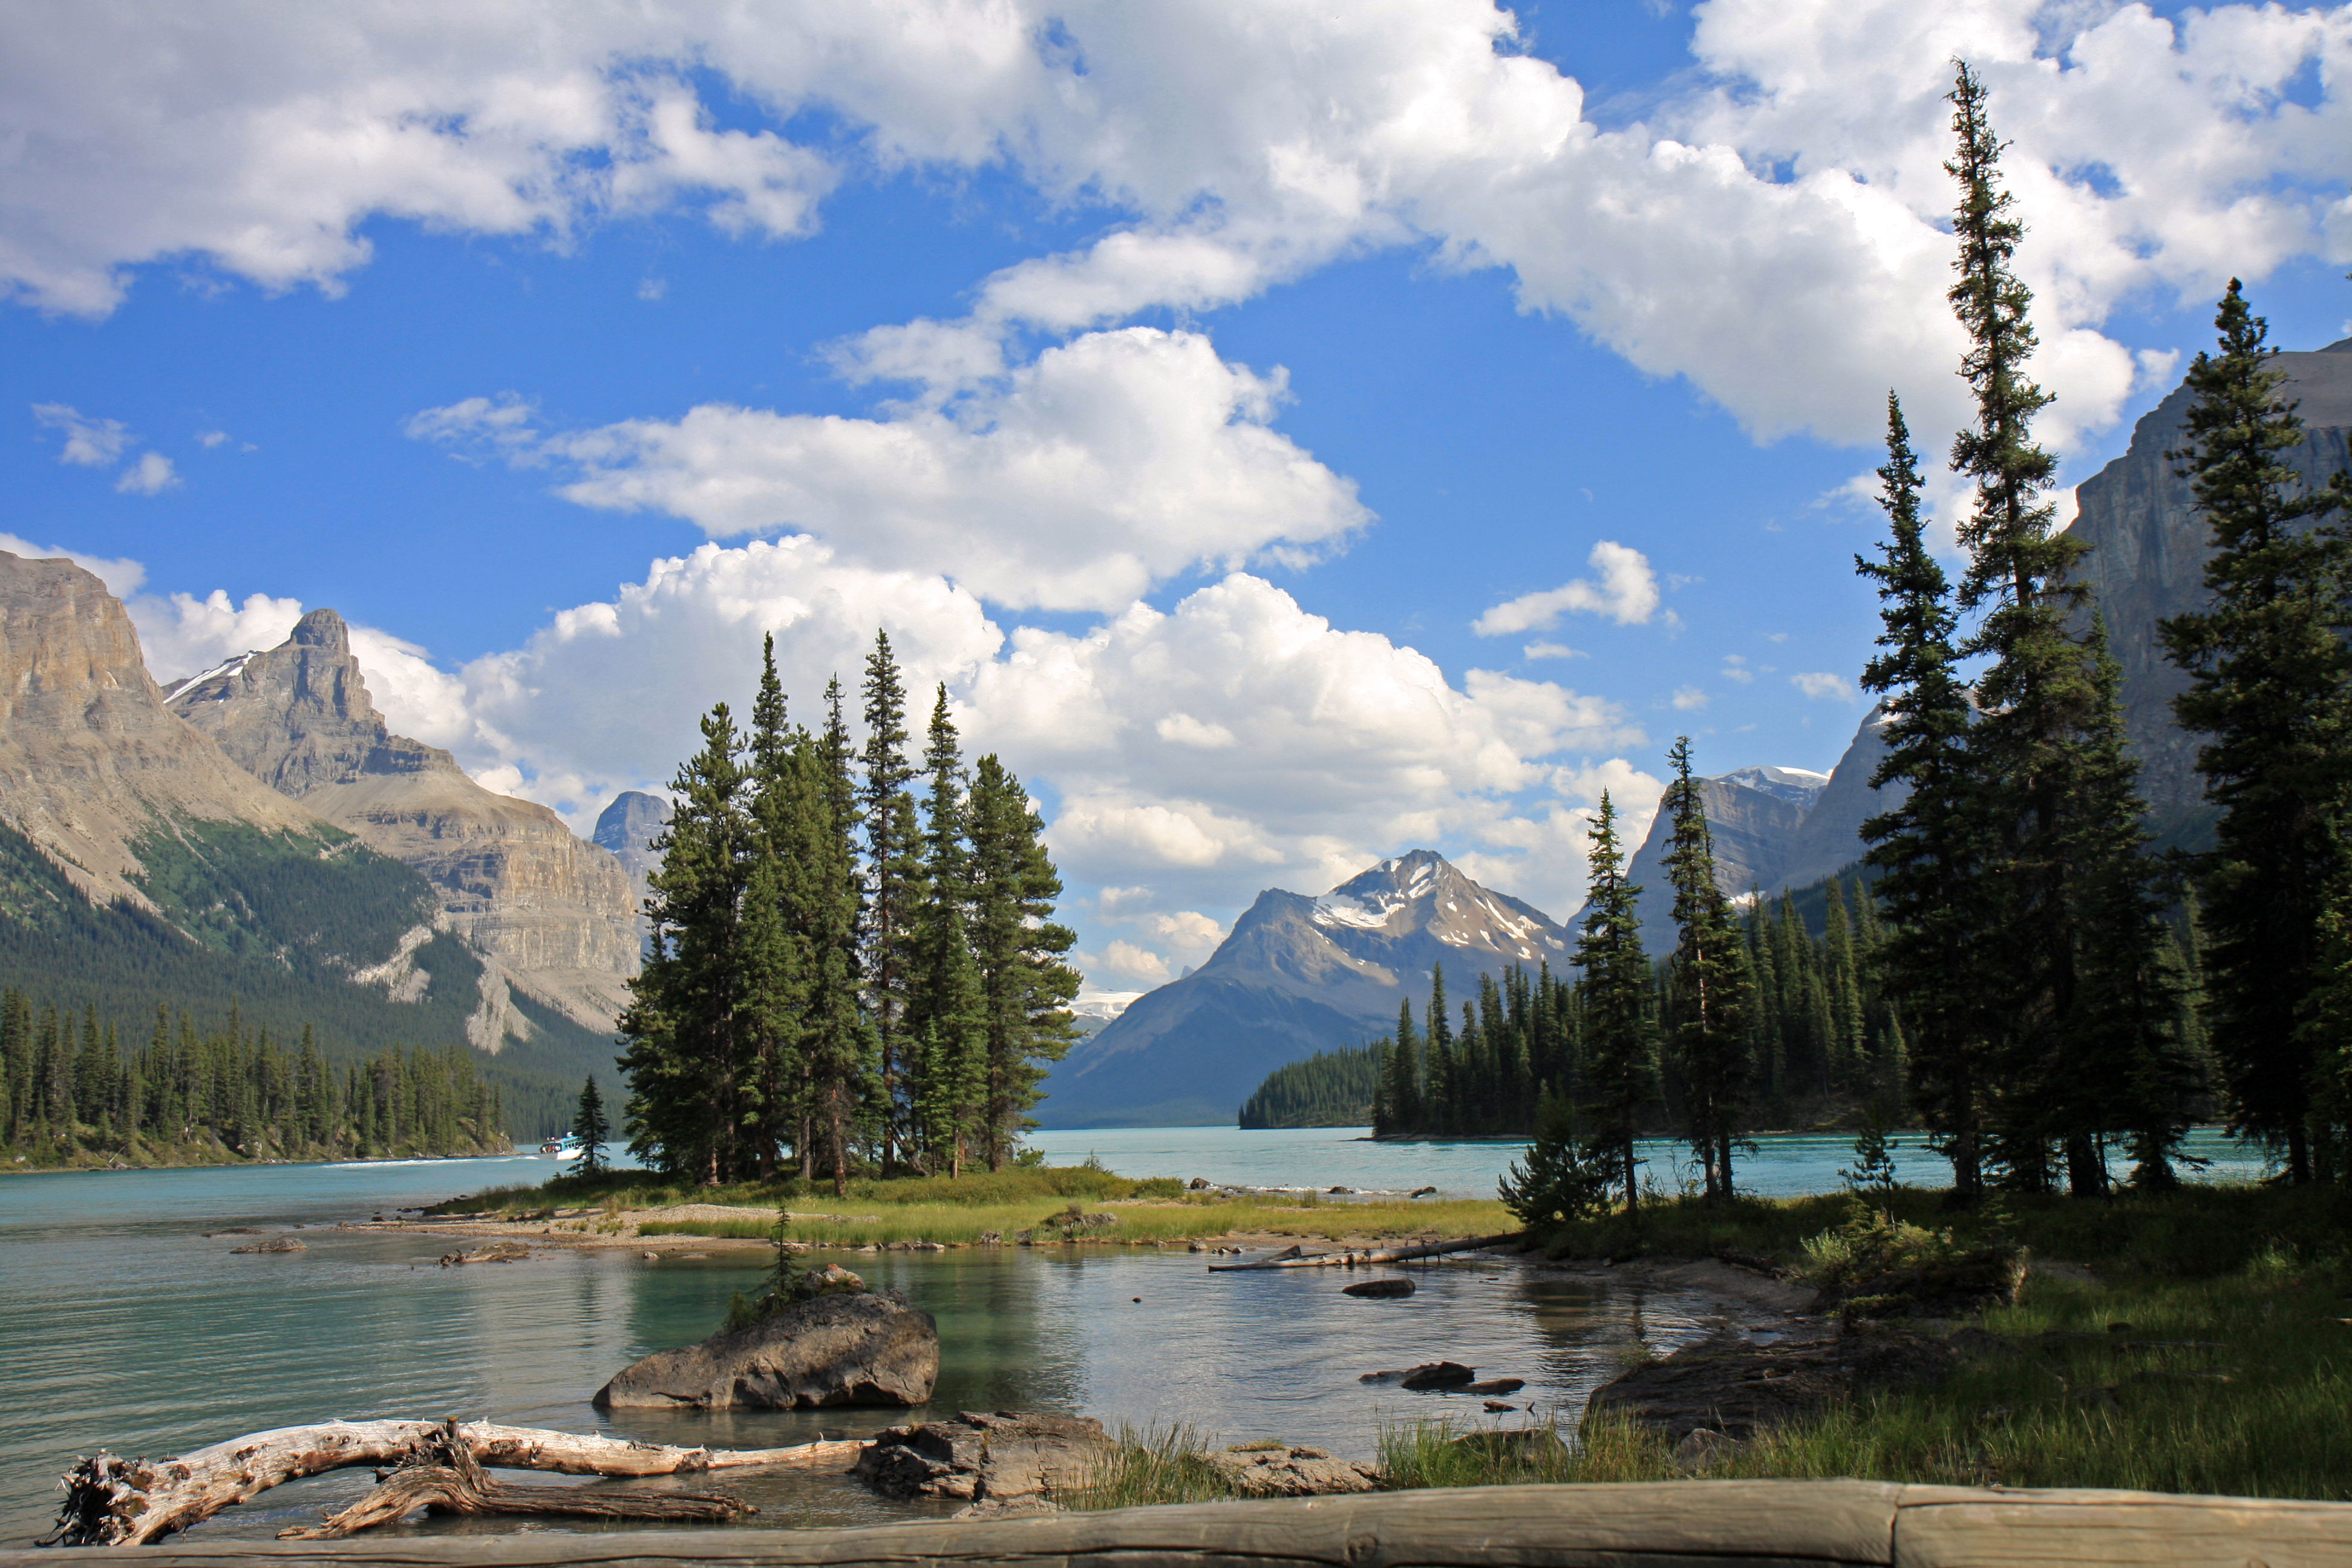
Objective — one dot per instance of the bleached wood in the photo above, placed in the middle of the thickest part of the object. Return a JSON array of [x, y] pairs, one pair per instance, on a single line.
[[444, 1476], [115, 1501]]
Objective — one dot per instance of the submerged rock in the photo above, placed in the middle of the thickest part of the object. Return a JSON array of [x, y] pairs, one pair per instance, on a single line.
[[275, 1244], [1437, 1375], [1003, 1455], [1380, 1290], [489, 1252], [1281, 1470], [838, 1349]]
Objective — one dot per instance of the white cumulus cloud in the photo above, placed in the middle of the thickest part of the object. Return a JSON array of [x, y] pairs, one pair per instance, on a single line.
[[1623, 588], [153, 473], [1823, 684], [88, 443]]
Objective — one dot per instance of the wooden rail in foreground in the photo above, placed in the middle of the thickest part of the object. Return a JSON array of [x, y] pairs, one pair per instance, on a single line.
[[1700, 1524]]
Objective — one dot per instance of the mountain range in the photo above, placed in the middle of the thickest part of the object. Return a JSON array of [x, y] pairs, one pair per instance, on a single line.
[[1296, 976], [256, 836]]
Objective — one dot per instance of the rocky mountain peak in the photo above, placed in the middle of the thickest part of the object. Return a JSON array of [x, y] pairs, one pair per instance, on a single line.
[[324, 629], [92, 762], [298, 717]]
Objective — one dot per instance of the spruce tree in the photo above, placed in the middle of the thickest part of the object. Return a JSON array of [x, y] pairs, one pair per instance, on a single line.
[[589, 1126], [1559, 1180], [944, 1012], [2270, 692], [1618, 1036], [680, 1033], [893, 874], [838, 1041], [1706, 979], [1926, 847], [774, 952], [1017, 947], [1440, 1081], [1400, 1102]]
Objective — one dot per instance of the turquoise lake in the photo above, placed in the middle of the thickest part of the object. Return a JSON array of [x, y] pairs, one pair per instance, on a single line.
[[127, 1328]]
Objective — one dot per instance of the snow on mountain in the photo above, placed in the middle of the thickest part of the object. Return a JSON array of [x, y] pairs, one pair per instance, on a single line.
[[1296, 974]]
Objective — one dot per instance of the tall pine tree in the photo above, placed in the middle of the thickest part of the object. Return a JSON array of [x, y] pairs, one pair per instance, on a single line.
[[1926, 848], [1706, 983], [894, 870], [1017, 946], [681, 1031], [1619, 1039], [2270, 692]]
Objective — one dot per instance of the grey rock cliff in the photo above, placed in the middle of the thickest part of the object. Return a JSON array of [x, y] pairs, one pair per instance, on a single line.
[[91, 760], [1755, 816], [556, 914], [837, 1349], [2150, 545], [626, 830]]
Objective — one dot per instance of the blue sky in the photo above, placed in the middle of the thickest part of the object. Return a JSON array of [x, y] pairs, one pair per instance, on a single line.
[[1324, 337]]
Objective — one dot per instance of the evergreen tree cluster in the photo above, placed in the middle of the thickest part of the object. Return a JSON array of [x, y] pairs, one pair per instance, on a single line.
[[2031, 948], [841, 977], [1330, 1089], [69, 1088]]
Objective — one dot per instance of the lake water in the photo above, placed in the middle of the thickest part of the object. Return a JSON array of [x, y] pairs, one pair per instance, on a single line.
[[126, 1327]]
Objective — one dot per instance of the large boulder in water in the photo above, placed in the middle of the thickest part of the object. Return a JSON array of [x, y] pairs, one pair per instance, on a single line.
[[837, 1349]]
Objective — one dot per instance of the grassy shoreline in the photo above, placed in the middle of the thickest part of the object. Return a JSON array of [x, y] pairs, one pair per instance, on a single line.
[[1054, 1204]]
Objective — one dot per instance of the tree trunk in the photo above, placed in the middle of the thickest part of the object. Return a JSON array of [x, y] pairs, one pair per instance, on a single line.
[[442, 1475], [127, 1503]]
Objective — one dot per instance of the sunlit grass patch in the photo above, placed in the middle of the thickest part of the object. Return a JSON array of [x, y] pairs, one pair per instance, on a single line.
[[1157, 1464]]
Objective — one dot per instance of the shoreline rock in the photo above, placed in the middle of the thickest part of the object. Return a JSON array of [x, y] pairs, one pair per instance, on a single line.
[[1003, 1457], [839, 1348]]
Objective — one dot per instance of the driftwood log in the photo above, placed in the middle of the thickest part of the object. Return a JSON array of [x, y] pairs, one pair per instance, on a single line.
[[111, 1501], [443, 1477], [1295, 1258], [1686, 1524]]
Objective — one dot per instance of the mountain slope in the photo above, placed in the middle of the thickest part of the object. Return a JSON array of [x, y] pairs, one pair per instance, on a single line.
[[557, 916], [2150, 545], [1755, 816], [139, 865], [1295, 975]]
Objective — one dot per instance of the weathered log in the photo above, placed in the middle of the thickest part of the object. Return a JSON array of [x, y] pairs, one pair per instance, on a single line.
[[111, 1501], [443, 1477], [1293, 1258], [1672, 1524], [1719, 1523]]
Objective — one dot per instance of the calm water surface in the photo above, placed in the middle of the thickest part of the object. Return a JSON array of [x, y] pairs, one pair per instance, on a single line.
[[126, 1327]]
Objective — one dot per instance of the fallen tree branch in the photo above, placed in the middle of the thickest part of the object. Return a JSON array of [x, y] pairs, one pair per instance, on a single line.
[[1293, 1259], [111, 1501], [443, 1476]]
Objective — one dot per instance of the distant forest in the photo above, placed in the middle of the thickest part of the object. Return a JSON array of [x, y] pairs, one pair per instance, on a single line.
[[70, 1094], [274, 927], [1825, 1045], [1330, 1089]]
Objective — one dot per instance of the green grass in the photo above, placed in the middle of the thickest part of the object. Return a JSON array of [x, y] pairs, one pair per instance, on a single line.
[[2196, 1232], [1006, 1203], [1162, 1464]]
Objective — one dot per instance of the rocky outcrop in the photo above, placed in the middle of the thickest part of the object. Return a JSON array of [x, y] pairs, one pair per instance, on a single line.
[[556, 915], [837, 1349], [981, 1455], [1279, 1469], [91, 760], [2149, 544]]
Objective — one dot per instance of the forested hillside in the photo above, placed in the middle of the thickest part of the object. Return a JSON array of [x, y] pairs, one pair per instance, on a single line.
[[70, 1093], [273, 929], [1330, 1089]]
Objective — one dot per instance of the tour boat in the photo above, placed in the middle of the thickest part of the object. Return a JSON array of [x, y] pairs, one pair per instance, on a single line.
[[564, 1148]]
